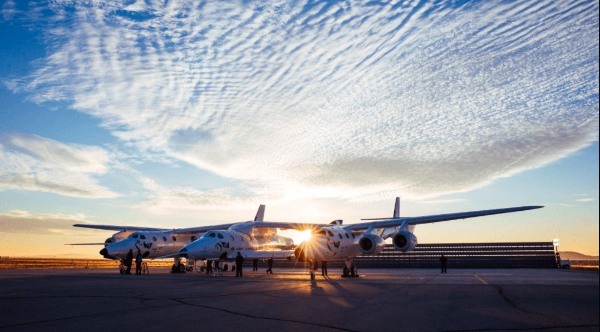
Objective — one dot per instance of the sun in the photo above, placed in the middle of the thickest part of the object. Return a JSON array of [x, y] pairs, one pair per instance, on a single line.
[[297, 236], [303, 236]]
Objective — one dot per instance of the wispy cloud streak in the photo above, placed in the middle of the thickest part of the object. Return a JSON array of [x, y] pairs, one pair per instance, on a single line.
[[35, 163], [40, 224]]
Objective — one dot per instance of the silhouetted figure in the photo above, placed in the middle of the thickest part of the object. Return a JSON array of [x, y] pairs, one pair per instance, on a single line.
[[138, 263], [209, 267], [270, 265], [443, 261], [239, 260], [313, 267], [324, 268], [128, 261], [255, 264]]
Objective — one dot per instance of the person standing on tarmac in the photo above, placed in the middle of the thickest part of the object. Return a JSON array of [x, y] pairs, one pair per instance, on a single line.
[[255, 264], [443, 261], [270, 265], [324, 268], [239, 260], [138, 262], [128, 261]]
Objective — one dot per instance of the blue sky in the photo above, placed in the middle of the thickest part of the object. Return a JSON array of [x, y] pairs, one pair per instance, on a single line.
[[174, 115]]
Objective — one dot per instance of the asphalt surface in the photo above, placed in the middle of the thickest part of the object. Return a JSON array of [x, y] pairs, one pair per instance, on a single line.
[[288, 300]]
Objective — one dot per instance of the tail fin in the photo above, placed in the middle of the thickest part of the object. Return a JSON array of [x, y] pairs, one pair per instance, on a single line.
[[397, 208], [260, 214]]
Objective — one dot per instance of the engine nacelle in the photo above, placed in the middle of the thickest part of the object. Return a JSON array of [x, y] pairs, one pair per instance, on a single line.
[[404, 241], [371, 244]]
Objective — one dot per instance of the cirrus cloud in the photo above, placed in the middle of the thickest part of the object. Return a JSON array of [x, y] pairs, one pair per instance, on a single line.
[[334, 99]]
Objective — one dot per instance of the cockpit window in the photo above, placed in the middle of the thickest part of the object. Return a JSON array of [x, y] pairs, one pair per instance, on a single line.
[[154, 238], [165, 238], [219, 235], [174, 238], [347, 236], [340, 235], [330, 233], [134, 235], [143, 237], [322, 232], [211, 234]]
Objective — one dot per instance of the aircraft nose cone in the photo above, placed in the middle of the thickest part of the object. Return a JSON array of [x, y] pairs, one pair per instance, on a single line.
[[105, 254]]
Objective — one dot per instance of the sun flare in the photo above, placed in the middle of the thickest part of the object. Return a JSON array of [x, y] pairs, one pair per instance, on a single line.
[[297, 236]]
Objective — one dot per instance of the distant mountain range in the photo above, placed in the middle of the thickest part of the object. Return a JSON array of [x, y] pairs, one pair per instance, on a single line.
[[572, 255]]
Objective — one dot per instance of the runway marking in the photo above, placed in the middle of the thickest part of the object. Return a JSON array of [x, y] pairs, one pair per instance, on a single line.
[[480, 279]]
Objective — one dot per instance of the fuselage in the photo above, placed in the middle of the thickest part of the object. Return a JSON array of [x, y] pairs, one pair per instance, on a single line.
[[224, 244], [152, 244], [329, 244]]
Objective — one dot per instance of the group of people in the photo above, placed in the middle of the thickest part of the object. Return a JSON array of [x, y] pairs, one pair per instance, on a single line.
[[209, 267], [129, 261], [239, 261]]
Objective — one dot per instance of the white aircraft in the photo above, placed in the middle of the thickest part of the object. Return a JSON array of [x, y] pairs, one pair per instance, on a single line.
[[155, 242], [329, 242], [252, 239]]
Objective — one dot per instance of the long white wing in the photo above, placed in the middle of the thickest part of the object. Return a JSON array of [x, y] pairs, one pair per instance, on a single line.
[[436, 218], [119, 228], [201, 229], [391, 222], [190, 230], [248, 226]]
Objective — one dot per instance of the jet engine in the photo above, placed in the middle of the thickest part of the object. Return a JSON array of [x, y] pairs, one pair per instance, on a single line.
[[404, 241], [371, 244]]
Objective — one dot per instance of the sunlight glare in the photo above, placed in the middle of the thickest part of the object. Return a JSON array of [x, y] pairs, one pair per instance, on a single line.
[[303, 236], [297, 236]]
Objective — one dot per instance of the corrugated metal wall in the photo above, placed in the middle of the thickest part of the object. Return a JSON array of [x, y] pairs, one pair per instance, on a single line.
[[460, 255], [467, 255]]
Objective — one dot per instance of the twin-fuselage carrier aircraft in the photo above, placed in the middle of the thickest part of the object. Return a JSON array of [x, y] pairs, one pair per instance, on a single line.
[[259, 239]]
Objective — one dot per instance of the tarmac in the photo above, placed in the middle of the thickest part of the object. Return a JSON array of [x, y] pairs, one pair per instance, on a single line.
[[288, 300]]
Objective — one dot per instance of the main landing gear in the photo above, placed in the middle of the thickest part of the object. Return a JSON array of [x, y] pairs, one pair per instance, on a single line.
[[349, 270], [178, 266]]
